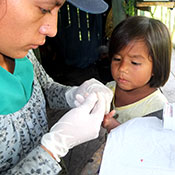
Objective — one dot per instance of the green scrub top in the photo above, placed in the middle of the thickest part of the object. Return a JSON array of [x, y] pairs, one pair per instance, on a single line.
[[16, 88]]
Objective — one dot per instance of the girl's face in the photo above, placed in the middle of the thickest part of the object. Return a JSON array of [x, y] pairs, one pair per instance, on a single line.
[[132, 67], [24, 25]]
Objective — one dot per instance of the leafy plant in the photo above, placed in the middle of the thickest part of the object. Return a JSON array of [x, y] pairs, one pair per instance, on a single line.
[[129, 7]]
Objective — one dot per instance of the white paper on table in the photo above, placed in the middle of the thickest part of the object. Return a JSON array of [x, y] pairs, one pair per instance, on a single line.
[[139, 147]]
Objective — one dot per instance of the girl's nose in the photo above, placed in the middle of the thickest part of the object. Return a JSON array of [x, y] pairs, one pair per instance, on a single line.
[[123, 67], [49, 28]]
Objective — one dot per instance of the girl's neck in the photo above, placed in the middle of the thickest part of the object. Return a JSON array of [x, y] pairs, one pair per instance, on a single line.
[[7, 63], [123, 97]]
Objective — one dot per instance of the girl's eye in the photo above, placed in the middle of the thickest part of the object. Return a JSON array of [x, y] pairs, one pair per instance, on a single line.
[[44, 11], [135, 63], [116, 59]]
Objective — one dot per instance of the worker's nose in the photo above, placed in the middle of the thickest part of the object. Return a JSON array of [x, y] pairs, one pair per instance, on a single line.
[[49, 27]]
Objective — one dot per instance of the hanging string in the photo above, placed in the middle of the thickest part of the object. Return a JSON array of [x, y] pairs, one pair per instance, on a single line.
[[68, 14], [88, 27], [79, 24]]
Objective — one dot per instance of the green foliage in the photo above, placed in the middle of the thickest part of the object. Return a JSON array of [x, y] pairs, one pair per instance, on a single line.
[[129, 7]]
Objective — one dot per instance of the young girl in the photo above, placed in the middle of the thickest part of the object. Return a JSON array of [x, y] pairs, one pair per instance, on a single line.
[[140, 52]]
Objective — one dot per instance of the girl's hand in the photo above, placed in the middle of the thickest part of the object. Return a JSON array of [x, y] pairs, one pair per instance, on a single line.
[[109, 122]]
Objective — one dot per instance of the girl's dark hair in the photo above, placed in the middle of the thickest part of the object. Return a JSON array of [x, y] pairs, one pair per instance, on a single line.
[[157, 38]]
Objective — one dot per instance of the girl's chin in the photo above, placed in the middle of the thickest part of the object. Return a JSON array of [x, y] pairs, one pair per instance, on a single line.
[[123, 88]]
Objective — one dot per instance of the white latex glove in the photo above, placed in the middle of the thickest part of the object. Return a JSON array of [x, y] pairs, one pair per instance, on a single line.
[[76, 95], [79, 125]]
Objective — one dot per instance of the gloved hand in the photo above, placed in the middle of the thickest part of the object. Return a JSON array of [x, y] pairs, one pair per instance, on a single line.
[[76, 95], [79, 125]]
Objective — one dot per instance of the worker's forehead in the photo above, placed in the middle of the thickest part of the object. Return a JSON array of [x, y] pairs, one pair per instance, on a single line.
[[51, 2]]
